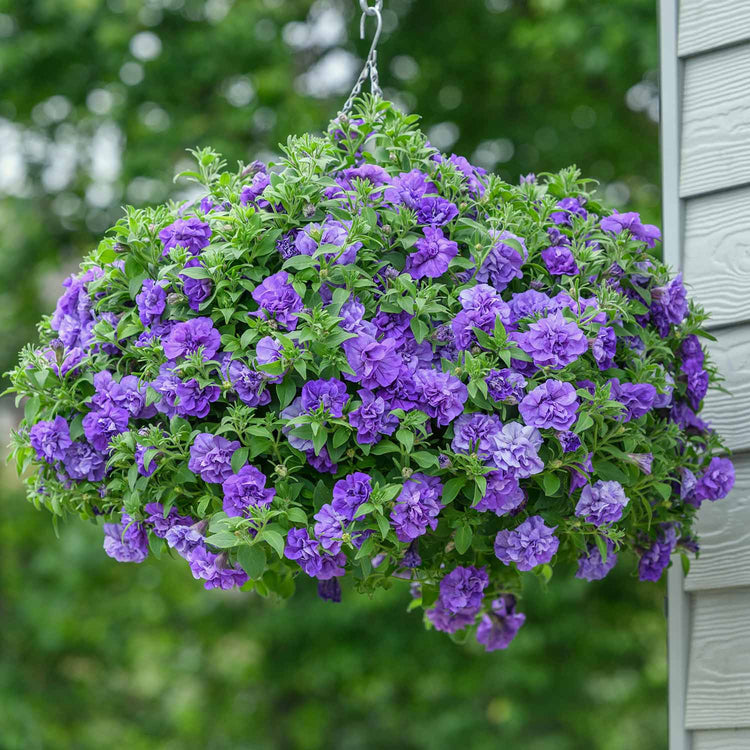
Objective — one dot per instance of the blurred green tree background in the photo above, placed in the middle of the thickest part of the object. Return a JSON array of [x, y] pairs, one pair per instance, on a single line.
[[100, 99]]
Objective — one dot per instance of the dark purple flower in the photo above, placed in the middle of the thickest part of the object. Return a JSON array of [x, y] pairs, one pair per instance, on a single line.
[[244, 489], [656, 558], [372, 419], [194, 401], [211, 457], [191, 234], [449, 622], [473, 433], [331, 232], [151, 301], [473, 174], [578, 478], [433, 254], [515, 450], [329, 528], [569, 441], [530, 544], [408, 188], [637, 398], [435, 211], [642, 460], [303, 549], [185, 538], [278, 300], [83, 462], [330, 590], [350, 493], [442, 395], [252, 192], [692, 354], [552, 405], [668, 305], [602, 503], [631, 221], [51, 439], [197, 291], [249, 384], [187, 338], [64, 360], [166, 385], [463, 588], [126, 541], [160, 523], [505, 385], [697, 387], [499, 626], [569, 207], [321, 462], [374, 362], [417, 507], [503, 495], [482, 306], [101, 425], [411, 558], [591, 567], [560, 261], [716, 481], [140, 455], [553, 342], [604, 347], [528, 304], [215, 570], [329, 394], [686, 419], [503, 263]]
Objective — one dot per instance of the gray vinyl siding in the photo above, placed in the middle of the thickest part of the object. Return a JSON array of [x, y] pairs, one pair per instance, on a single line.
[[705, 90]]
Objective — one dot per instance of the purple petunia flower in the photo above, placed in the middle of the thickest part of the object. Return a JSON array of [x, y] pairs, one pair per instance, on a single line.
[[637, 398], [505, 385], [160, 523], [83, 462], [126, 541], [417, 507], [435, 211], [569, 441], [530, 544], [442, 395], [408, 188], [603, 348], [463, 588], [602, 503], [515, 450], [449, 622], [278, 300], [50, 439], [577, 477], [215, 570], [472, 433], [433, 254], [591, 567], [553, 342], [329, 394], [668, 305], [482, 306], [151, 301], [372, 419], [244, 489], [568, 207], [631, 222], [503, 263], [374, 362], [187, 338], [504, 494], [529, 304], [304, 550], [499, 626], [249, 384], [140, 455], [194, 401], [211, 457], [552, 405], [197, 291], [102, 424], [191, 234], [331, 232], [329, 528], [560, 261], [656, 558], [185, 538], [350, 493], [717, 480]]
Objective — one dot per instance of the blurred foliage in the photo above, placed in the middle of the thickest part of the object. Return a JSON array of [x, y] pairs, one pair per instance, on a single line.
[[101, 99]]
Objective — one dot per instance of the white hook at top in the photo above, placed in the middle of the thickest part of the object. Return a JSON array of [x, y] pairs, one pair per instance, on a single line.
[[371, 10]]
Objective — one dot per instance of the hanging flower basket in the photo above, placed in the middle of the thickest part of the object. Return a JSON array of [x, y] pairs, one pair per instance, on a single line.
[[376, 361]]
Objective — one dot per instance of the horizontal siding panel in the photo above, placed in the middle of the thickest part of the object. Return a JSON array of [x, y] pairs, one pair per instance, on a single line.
[[718, 692], [724, 531], [721, 739], [730, 414], [716, 121], [716, 258], [707, 24]]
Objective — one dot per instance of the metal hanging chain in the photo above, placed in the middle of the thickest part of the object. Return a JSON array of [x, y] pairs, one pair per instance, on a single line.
[[370, 69]]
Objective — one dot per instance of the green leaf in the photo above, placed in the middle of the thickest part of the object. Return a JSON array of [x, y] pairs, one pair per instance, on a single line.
[[406, 438], [320, 494], [223, 540], [608, 471], [252, 559], [463, 538], [425, 459], [196, 272], [286, 391], [584, 422], [452, 488], [551, 484], [602, 546], [383, 525], [420, 329], [239, 459], [275, 540], [297, 515]]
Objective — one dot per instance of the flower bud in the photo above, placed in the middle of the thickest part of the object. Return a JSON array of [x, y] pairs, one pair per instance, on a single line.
[[281, 470], [308, 210], [174, 298], [406, 472]]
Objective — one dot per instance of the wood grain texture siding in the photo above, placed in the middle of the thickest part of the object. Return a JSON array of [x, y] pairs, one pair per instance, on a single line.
[[716, 121], [716, 259], [718, 693], [708, 24], [730, 414], [721, 739], [724, 531]]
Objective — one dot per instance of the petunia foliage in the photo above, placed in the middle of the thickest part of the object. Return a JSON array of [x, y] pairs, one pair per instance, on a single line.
[[377, 361]]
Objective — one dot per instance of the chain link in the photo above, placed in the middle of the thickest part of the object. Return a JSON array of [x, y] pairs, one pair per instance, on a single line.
[[370, 70]]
